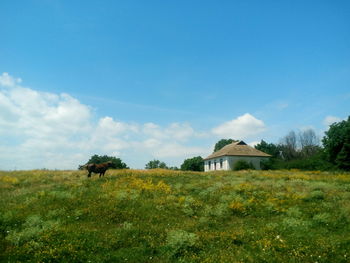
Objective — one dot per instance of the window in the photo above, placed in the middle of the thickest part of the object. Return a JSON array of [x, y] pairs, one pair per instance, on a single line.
[[209, 164], [221, 163], [215, 165]]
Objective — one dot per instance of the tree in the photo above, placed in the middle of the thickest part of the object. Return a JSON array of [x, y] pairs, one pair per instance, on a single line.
[[309, 143], [223, 142], [193, 164], [288, 146], [156, 164], [268, 148], [117, 163], [336, 143]]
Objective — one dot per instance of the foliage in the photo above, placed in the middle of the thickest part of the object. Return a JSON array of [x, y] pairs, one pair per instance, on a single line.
[[269, 164], [337, 144], [193, 164], [174, 216], [223, 142], [268, 148], [243, 165], [180, 240], [295, 151], [156, 164], [301, 145], [117, 163]]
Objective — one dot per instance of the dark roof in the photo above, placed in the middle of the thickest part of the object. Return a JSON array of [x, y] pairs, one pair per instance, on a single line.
[[239, 148]]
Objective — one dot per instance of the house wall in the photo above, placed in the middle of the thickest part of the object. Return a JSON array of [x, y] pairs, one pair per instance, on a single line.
[[229, 162], [217, 164]]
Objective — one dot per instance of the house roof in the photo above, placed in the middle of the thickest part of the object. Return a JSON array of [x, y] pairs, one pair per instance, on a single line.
[[239, 148]]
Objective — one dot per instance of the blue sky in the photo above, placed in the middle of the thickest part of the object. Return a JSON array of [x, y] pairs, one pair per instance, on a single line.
[[146, 80]]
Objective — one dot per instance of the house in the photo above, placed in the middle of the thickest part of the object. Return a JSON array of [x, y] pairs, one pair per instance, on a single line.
[[225, 158]]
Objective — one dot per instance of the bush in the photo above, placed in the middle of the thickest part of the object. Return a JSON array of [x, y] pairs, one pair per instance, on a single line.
[[312, 163], [179, 240], [243, 165], [193, 164], [117, 163], [269, 164], [337, 144]]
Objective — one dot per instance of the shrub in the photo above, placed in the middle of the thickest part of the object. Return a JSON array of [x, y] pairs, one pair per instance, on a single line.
[[243, 165], [117, 163], [178, 240], [193, 164]]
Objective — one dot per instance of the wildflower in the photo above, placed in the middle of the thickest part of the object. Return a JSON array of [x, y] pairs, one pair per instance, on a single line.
[[279, 238]]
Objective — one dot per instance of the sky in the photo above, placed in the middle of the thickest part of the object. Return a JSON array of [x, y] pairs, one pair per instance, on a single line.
[[144, 80]]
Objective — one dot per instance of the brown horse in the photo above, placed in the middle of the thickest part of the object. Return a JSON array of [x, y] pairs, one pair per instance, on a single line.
[[98, 168]]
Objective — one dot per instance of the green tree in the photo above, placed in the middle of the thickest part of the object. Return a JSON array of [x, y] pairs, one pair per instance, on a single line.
[[336, 143], [193, 164], [268, 148], [156, 164], [223, 142], [117, 163]]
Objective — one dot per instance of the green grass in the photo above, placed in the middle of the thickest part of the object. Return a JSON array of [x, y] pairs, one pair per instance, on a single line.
[[172, 216]]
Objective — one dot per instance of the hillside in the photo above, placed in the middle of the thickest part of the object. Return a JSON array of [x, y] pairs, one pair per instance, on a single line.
[[169, 216]]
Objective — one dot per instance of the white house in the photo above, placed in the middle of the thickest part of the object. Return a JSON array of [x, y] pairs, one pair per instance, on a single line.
[[225, 158]]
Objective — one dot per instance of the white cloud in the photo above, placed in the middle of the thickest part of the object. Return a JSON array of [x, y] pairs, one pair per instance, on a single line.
[[178, 150], [8, 81], [44, 115], [57, 131], [243, 127], [180, 131], [151, 143], [254, 143], [329, 120], [153, 130], [109, 127]]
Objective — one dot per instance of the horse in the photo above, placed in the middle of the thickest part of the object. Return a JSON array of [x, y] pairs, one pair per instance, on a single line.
[[98, 168]]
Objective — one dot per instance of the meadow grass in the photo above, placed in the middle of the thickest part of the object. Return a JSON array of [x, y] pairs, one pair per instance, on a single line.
[[174, 216]]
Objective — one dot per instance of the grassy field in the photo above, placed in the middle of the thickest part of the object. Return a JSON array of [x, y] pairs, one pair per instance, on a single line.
[[170, 216]]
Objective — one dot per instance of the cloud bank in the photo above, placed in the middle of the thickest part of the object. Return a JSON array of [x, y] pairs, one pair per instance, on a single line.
[[56, 131], [243, 127]]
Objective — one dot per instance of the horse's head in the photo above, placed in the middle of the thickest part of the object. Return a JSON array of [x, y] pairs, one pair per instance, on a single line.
[[109, 164]]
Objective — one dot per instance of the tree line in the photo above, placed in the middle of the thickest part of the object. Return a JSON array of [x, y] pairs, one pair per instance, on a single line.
[[305, 151], [296, 150]]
